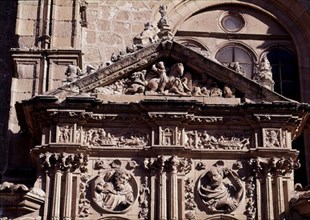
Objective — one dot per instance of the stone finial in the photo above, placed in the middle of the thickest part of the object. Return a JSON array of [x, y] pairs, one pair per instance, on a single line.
[[147, 36], [264, 74], [83, 7], [165, 30]]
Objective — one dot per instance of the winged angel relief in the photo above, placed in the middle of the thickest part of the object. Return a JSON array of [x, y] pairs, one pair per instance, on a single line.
[[163, 80]]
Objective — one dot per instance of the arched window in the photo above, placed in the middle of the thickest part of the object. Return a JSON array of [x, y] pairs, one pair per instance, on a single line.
[[236, 54], [285, 72]]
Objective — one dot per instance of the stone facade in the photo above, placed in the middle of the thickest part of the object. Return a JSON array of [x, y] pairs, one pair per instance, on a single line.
[[152, 110]]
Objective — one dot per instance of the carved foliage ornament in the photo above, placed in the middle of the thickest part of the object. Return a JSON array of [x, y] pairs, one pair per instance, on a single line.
[[169, 164], [220, 189], [162, 79], [64, 161], [280, 166]]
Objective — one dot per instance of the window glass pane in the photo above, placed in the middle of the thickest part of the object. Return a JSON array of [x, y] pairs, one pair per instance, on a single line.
[[236, 54], [241, 56], [285, 72], [226, 55]]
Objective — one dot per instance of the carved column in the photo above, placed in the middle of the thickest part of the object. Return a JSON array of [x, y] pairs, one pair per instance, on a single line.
[[174, 188], [269, 197], [68, 196], [162, 186], [60, 164], [56, 195], [47, 193]]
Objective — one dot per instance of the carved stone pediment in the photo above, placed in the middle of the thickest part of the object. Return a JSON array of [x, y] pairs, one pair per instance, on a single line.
[[166, 69]]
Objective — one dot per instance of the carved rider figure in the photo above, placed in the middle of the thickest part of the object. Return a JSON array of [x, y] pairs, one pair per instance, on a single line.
[[113, 192], [218, 195]]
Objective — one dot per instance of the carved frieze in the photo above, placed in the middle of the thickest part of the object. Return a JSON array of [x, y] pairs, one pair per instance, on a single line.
[[220, 190], [115, 137], [164, 79], [203, 140]]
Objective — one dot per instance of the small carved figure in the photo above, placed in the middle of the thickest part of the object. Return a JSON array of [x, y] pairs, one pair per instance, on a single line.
[[228, 92], [236, 67], [73, 72], [114, 192], [138, 83], [264, 74], [65, 133], [272, 139], [218, 195]]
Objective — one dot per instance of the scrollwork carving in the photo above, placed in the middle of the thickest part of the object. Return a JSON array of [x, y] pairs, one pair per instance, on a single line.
[[220, 189]]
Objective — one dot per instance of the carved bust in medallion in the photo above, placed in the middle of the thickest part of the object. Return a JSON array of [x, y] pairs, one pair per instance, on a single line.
[[220, 190], [114, 191]]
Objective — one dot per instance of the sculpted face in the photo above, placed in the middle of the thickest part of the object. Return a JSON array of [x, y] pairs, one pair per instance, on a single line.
[[214, 177], [120, 180]]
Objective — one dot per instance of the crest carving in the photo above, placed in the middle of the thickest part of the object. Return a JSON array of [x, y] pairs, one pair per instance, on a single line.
[[220, 189]]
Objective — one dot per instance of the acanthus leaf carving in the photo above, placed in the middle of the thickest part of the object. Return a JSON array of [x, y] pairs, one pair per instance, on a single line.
[[277, 166], [250, 206], [64, 161]]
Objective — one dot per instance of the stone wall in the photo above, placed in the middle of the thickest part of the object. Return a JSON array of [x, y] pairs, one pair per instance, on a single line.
[[8, 11]]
